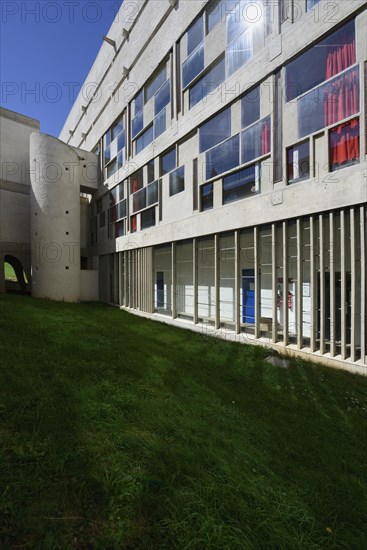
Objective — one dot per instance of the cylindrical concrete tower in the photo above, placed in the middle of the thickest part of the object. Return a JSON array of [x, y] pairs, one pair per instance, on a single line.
[[55, 219]]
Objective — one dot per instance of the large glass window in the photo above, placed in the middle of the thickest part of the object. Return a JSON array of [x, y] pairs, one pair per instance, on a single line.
[[256, 140], [168, 161], [238, 20], [208, 83], [177, 181], [195, 35], [250, 107], [218, 11], [162, 97], [321, 62], [160, 123], [298, 162], [344, 144], [223, 157], [114, 147], [193, 65], [329, 103], [241, 184], [137, 124], [214, 131]]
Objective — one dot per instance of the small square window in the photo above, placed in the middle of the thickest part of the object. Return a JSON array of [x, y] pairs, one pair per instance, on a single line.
[[298, 162], [344, 145], [168, 161], [206, 197]]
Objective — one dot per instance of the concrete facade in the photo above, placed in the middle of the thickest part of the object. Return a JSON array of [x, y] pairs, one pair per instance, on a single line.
[[231, 140]]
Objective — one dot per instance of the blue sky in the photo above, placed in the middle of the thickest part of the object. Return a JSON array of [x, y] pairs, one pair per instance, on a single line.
[[47, 49]]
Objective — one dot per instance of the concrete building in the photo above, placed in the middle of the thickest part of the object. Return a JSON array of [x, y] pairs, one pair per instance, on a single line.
[[231, 139]]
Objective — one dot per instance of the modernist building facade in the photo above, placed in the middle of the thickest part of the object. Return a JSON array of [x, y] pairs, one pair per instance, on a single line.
[[231, 142]]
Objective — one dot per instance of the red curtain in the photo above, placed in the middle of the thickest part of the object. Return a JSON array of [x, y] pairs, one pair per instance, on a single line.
[[265, 137], [135, 186], [344, 143], [341, 96], [133, 224]]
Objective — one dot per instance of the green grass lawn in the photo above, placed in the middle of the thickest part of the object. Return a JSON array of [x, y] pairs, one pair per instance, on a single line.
[[118, 432], [9, 273]]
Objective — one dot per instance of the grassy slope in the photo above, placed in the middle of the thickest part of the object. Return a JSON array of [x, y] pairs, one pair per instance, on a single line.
[[117, 432]]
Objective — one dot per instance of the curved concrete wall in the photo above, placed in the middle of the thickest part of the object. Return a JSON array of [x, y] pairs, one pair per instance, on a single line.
[[55, 219]]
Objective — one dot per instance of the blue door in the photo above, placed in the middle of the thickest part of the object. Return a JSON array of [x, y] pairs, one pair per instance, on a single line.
[[248, 296]]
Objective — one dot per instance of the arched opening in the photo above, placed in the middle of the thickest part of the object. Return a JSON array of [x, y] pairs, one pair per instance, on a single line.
[[15, 277]]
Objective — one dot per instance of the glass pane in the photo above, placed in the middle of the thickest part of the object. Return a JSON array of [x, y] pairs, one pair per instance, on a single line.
[[138, 103], [150, 166], [215, 130], [177, 181], [117, 127], [162, 97], [208, 83], [152, 193], [324, 60], [163, 279], [250, 107], [236, 20], [298, 162], [155, 83], [344, 144], [168, 162], [329, 103], [140, 200], [239, 52], [160, 123], [227, 279], [206, 280], [193, 65], [112, 168], [206, 196], [195, 35], [147, 218], [144, 140], [256, 140], [239, 185], [223, 157], [121, 209], [119, 229], [184, 279], [219, 11], [121, 141], [136, 181], [137, 124]]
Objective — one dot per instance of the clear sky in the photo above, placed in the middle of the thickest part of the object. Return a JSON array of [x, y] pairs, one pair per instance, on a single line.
[[47, 50]]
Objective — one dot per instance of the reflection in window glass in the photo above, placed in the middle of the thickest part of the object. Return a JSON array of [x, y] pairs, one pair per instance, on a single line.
[[218, 11], [136, 181], [195, 35], [208, 83], [139, 200], [329, 103], [237, 20], [137, 124], [138, 103], [250, 107], [215, 130], [144, 140], [239, 52], [322, 61], [298, 162], [150, 171], [311, 3], [240, 185], [168, 161], [119, 229], [177, 181], [155, 83], [193, 65], [223, 157], [256, 140], [162, 97], [206, 196], [152, 193], [147, 218], [344, 144], [160, 123]]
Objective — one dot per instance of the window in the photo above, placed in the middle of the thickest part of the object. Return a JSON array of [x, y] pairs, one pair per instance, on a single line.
[[239, 52], [137, 124], [331, 102], [144, 140], [114, 146], [159, 124], [147, 218], [298, 162], [162, 97], [344, 144], [256, 140], [241, 184], [250, 107], [193, 65], [223, 157], [195, 35], [136, 181], [138, 103], [207, 83], [168, 161], [311, 3], [152, 193], [215, 130], [139, 200], [329, 57], [177, 181], [150, 168], [237, 20], [155, 83], [119, 229], [218, 11], [206, 197], [133, 224], [102, 219]]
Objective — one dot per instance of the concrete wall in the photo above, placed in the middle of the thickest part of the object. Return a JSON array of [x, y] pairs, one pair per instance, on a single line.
[[89, 286]]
